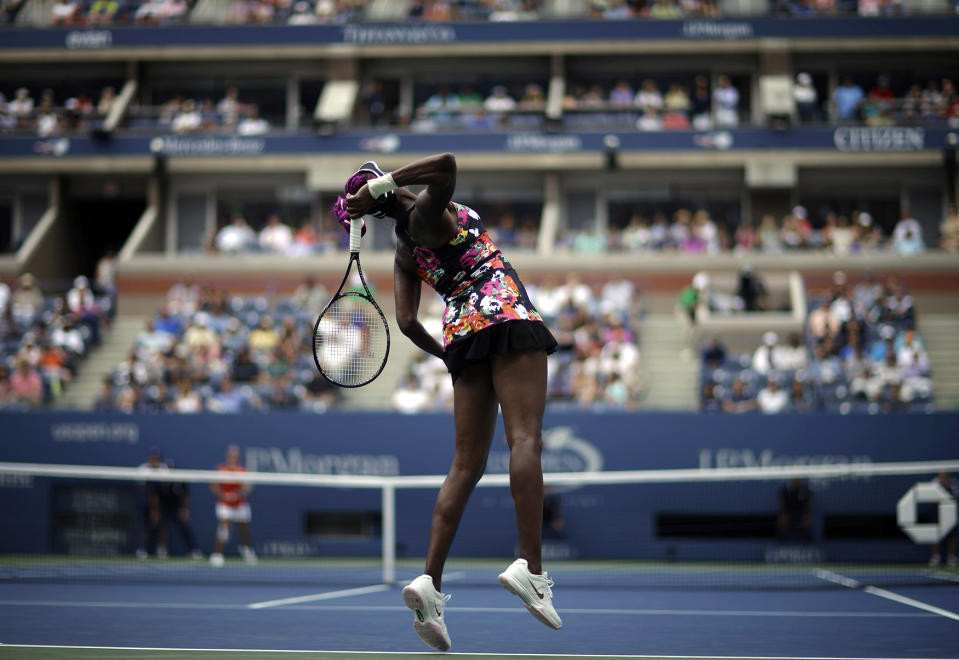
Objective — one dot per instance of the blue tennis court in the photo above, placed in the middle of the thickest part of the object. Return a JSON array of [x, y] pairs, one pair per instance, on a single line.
[[800, 613]]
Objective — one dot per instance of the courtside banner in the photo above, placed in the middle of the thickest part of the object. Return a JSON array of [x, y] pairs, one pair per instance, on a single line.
[[419, 34], [386, 445], [845, 139]]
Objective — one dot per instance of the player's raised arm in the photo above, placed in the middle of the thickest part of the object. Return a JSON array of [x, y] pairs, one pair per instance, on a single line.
[[437, 173]]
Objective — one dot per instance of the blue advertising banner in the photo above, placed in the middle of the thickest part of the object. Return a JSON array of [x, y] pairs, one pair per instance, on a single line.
[[374, 34], [629, 521], [846, 139]]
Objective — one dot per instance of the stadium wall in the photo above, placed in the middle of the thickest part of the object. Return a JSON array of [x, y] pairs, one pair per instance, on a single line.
[[37, 515]]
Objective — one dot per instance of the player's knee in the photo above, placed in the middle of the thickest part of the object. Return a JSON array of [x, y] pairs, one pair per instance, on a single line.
[[526, 440]]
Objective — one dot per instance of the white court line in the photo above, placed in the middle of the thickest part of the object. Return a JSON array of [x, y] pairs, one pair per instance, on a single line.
[[829, 576], [905, 600], [327, 595], [480, 610], [487, 655]]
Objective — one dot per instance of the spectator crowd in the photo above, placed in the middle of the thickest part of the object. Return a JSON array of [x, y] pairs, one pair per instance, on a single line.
[[862, 353], [208, 351], [696, 232], [44, 338]]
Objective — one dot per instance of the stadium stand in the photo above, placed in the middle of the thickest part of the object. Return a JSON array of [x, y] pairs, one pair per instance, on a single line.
[[208, 351], [45, 334], [592, 139]]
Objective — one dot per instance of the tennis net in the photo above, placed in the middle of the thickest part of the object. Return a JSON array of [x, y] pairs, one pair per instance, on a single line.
[[823, 526]]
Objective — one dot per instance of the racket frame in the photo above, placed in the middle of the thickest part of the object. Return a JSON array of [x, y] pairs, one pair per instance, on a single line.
[[356, 233]]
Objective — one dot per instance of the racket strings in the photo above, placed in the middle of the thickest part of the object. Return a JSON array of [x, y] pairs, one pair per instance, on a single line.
[[351, 341]]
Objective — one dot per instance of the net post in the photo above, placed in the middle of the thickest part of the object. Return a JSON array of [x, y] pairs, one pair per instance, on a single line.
[[389, 533]]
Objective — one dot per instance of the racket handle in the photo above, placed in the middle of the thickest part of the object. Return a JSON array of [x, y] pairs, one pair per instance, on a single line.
[[356, 234]]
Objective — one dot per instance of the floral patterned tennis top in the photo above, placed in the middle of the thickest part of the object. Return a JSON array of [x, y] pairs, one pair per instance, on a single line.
[[479, 285]]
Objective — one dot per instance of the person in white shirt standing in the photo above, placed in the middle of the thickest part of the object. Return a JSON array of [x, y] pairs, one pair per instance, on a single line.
[[726, 99]]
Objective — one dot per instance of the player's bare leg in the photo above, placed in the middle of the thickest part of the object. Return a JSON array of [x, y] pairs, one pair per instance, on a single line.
[[474, 414], [520, 383]]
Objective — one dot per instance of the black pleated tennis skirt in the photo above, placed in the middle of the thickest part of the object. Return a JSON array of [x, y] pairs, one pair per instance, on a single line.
[[497, 339]]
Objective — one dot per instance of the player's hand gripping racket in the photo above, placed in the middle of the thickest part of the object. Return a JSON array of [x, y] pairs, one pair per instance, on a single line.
[[351, 339]]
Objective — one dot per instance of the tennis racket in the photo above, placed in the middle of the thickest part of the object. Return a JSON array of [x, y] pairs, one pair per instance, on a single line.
[[351, 339]]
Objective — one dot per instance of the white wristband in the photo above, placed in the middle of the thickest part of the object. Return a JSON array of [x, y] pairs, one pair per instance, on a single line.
[[381, 185]]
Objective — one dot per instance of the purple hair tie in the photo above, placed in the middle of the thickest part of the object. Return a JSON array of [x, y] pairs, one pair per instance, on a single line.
[[339, 210]]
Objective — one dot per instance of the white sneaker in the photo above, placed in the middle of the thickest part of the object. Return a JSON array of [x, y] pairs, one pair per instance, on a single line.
[[141, 553], [248, 555], [216, 560], [428, 604], [952, 561], [162, 552], [196, 554], [934, 560], [534, 590]]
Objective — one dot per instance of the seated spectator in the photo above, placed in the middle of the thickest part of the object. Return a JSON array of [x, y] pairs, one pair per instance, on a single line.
[[263, 340], [714, 353], [675, 121], [726, 100], [235, 237], [65, 335], [27, 301], [650, 121], [649, 97], [302, 14], [792, 357], [801, 397], [949, 230], [806, 98], [907, 235], [188, 119], [102, 12], [621, 96], [665, 9], [739, 400], [677, 100], [21, 107], [26, 385], [66, 12], [772, 399], [227, 399], [186, 399], [253, 123], [409, 397], [898, 306], [276, 236], [533, 98], [202, 340], [245, 370], [499, 101], [766, 358]]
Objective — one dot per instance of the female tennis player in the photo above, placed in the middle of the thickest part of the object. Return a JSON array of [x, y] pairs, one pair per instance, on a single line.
[[494, 346]]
